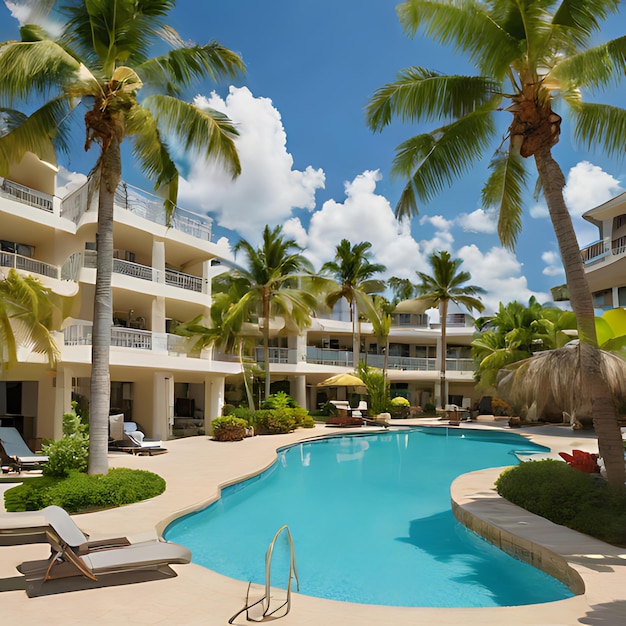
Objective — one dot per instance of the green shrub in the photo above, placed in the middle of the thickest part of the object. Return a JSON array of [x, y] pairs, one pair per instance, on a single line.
[[274, 422], [71, 452], [228, 409], [79, 492], [279, 400], [229, 428], [430, 408], [566, 496]]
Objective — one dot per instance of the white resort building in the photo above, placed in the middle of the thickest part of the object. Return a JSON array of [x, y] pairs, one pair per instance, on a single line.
[[161, 274], [605, 259]]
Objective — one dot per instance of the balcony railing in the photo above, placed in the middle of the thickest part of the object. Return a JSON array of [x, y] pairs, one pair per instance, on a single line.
[[150, 207], [26, 195], [277, 355], [173, 278], [596, 251], [182, 280], [27, 264], [81, 335]]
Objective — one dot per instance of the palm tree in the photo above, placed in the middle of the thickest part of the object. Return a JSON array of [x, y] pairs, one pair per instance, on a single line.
[[380, 319], [444, 286], [27, 315], [515, 333], [101, 59], [277, 283], [353, 271], [528, 56], [401, 288]]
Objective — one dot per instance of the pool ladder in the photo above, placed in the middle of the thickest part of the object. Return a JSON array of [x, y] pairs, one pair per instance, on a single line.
[[265, 601]]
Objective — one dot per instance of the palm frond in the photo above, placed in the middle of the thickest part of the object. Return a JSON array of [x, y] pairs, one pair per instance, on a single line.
[[602, 126], [435, 160], [40, 66], [37, 133], [595, 67], [583, 16], [177, 69], [419, 94], [205, 132], [503, 190], [465, 25]]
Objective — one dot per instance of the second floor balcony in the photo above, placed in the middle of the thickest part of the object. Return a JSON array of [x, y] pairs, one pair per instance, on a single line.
[[28, 264], [604, 249]]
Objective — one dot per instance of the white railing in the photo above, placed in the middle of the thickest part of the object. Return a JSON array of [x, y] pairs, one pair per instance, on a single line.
[[182, 280], [136, 270], [26, 195], [150, 207], [19, 262], [325, 356], [131, 338], [596, 251]]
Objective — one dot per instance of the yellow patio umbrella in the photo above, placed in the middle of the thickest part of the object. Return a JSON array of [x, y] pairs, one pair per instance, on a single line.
[[342, 380]]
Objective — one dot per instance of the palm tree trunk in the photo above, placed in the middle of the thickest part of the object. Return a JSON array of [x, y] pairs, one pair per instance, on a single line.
[[443, 314], [594, 386], [110, 174], [266, 339]]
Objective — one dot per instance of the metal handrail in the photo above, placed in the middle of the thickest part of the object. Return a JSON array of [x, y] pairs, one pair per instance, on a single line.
[[265, 600]]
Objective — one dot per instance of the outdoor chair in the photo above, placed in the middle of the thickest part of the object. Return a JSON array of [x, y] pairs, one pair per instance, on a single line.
[[17, 451], [104, 561]]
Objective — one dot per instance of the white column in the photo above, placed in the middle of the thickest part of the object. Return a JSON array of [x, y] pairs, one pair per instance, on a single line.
[[158, 259], [163, 404], [298, 390], [213, 399]]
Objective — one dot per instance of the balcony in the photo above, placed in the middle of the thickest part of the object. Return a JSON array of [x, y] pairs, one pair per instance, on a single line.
[[32, 266], [173, 278], [26, 195], [602, 249], [142, 204]]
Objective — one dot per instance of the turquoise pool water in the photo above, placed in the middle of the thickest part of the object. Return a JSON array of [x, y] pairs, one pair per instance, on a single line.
[[371, 522]]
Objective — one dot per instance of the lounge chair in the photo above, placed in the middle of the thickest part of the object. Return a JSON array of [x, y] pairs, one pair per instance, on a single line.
[[101, 562], [18, 452], [126, 437], [32, 527]]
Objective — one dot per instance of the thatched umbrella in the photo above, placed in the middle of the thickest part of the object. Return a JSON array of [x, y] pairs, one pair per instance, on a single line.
[[555, 378]]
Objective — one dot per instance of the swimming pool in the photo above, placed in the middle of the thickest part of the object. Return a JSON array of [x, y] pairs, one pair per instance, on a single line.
[[371, 522]]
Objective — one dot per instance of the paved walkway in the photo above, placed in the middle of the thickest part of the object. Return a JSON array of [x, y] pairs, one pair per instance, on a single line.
[[196, 468]]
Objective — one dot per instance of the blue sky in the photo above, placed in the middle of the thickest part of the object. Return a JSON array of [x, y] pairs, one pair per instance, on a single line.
[[311, 164]]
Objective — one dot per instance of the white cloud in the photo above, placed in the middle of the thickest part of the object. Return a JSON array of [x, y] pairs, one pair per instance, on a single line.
[[269, 188], [442, 238], [34, 12], [553, 267], [498, 272], [364, 216], [479, 221], [587, 186]]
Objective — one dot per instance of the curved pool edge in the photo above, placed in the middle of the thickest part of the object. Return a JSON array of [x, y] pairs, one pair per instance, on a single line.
[[600, 588], [511, 528]]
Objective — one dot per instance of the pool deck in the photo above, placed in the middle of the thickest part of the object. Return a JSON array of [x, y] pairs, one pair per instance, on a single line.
[[196, 468]]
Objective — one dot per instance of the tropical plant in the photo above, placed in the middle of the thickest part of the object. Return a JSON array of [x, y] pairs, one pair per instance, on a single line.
[[27, 315], [447, 284], [71, 452], [515, 333], [101, 60], [401, 288], [380, 318], [277, 281], [528, 56], [377, 388], [352, 272]]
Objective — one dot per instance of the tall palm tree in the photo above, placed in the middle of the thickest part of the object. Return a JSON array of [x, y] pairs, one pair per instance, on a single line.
[[27, 315], [101, 59], [447, 284], [352, 271], [528, 56], [278, 282], [381, 325]]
